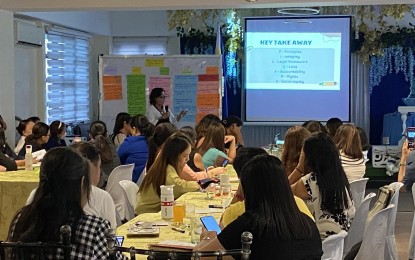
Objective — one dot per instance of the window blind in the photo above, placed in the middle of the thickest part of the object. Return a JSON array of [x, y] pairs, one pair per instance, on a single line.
[[139, 45], [67, 78]]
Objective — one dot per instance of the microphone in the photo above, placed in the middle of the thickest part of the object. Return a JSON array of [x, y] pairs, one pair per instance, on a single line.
[[166, 108]]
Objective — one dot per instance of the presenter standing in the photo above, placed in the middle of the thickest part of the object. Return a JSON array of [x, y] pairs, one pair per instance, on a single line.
[[157, 112]]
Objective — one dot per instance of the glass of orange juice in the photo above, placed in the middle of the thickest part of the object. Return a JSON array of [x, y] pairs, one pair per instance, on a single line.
[[179, 211]]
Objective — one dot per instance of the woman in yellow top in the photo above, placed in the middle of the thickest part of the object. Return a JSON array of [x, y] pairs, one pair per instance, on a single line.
[[165, 171]]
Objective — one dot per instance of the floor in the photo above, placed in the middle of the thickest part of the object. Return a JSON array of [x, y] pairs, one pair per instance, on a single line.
[[403, 223]]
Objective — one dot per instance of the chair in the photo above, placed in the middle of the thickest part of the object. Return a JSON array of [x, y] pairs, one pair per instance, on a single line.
[[38, 250], [411, 249], [131, 190], [356, 231], [390, 247], [122, 205], [358, 188], [244, 252], [141, 178], [333, 246], [373, 244]]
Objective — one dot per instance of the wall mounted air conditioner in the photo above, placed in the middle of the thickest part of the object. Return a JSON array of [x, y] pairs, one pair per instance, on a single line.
[[29, 34]]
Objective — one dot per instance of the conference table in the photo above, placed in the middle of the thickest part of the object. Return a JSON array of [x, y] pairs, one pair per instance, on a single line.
[[15, 187], [198, 198]]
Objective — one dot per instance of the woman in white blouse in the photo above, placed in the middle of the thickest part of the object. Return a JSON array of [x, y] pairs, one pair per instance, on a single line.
[[157, 111]]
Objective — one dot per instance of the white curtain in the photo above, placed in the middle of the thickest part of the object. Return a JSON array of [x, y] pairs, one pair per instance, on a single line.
[[359, 93]]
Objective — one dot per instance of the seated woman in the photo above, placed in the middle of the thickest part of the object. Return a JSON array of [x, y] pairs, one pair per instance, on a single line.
[[109, 158], [332, 125], [165, 171], [314, 126], [203, 126], [233, 125], [24, 129], [215, 138], [293, 143], [347, 139], [272, 216], [57, 134], [157, 112], [40, 135], [64, 189], [135, 147], [188, 174], [326, 189], [365, 142], [121, 129], [237, 207]]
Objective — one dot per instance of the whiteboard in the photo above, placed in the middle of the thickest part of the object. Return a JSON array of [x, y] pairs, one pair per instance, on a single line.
[[192, 82]]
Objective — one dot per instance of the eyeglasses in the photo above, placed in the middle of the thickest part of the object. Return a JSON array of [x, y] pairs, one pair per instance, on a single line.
[[163, 97]]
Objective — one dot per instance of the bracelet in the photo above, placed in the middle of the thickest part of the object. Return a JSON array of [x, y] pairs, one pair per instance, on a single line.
[[299, 170]]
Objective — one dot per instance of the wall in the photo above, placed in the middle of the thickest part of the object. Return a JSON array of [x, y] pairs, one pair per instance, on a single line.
[[7, 89]]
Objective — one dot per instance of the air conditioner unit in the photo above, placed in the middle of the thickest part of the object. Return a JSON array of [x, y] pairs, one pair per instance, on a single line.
[[29, 34]]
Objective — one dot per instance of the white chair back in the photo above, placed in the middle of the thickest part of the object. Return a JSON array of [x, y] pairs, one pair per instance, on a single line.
[[141, 178], [357, 229], [122, 172], [390, 247], [333, 246], [373, 244], [411, 249], [131, 190], [358, 189]]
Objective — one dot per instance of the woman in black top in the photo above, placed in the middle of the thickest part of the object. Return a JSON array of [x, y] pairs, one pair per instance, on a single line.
[[40, 135], [57, 135], [279, 229]]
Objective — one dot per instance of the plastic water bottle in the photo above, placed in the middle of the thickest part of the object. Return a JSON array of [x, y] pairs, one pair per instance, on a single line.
[[167, 200], [28, 159]]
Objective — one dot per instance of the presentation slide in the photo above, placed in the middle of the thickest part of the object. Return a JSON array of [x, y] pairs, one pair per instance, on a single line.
[[297, 69]]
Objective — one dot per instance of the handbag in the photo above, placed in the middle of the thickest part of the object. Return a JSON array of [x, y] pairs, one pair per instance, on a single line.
[[382, 201]]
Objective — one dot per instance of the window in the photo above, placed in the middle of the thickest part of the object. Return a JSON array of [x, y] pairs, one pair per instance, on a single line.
[[67, 78], [139, 45]]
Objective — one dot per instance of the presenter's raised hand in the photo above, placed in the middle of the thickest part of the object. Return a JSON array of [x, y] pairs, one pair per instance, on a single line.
[[166, 115]]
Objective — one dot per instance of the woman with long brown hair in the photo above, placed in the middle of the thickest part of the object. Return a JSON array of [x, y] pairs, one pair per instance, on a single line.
[[293, 143], [347, 140], [165, 171]]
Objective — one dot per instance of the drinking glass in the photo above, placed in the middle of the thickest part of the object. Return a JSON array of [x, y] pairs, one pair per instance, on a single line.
[[225, 195], [190, 213], [195, 229], [210, 191], [179, 211]]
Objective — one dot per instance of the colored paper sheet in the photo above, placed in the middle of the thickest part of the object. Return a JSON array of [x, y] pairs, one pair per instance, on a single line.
[[184, 92], [201, 112], [154, 63], [207, 100], [112, 88], [136, 70], [205, 77], [208, 87], [164, 71], [136, 94], [110, 70], [161, 82], [212, 70], [187, 71]]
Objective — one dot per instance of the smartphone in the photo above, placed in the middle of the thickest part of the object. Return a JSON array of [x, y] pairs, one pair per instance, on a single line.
[[225, 162], [119, 240], [209, 222], [410, 134]]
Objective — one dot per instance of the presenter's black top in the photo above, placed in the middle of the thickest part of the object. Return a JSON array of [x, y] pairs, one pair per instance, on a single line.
[[270, 246]]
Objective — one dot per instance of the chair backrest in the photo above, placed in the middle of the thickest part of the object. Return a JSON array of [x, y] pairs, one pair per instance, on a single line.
[[38, 250], [244, 252], [141, 178], [333, 246], [396, 186], [131, 190], [373, 244], [357, 229], [411, 248], [122, 172], [358, 189]]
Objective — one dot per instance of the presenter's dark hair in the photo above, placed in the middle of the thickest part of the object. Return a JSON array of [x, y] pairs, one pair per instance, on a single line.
[[322, 158], [156, 141], [268, 194], [64, 184], [155, 93]]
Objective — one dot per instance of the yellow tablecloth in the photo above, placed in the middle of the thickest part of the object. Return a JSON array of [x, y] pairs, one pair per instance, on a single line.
[[15, 188]]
